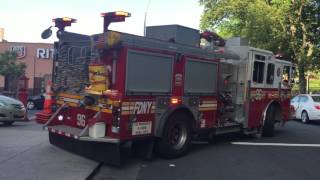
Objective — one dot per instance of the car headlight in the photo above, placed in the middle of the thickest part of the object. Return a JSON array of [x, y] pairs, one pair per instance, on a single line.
[[2, 104]]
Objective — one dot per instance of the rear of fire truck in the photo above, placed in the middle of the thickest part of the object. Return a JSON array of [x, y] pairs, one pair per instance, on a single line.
[[86, 112]]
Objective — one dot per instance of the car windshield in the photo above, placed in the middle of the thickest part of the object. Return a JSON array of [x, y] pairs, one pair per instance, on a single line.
[[316, 98], [293, 100]]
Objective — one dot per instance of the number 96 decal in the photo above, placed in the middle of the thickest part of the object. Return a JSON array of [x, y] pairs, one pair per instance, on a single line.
[[81, 120]]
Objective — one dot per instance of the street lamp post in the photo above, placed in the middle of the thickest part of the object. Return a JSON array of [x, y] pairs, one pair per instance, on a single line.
[[308, 82]]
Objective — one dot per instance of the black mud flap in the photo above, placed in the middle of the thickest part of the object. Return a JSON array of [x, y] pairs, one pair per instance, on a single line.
[[108, 153]]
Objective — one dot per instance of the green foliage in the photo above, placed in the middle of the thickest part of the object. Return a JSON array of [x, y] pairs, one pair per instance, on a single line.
[[253, 19], [9, 65], [289, 27], [314, 84]]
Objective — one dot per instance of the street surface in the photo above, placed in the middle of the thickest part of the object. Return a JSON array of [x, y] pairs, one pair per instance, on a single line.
[[224, 160], [25, 153], [293, 153]]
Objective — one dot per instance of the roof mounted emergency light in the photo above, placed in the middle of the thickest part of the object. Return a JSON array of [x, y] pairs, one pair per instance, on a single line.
[[63, 22], [110, 17], [60, 23]]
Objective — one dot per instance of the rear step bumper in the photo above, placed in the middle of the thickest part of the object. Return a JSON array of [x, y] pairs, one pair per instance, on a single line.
[[108, 153], [78, 134]]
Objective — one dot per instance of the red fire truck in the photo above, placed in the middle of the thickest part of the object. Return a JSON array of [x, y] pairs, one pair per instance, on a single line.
[[113, 88]]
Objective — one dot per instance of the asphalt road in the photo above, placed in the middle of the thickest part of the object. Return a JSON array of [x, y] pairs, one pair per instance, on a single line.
[[232, 157], [293, 153]]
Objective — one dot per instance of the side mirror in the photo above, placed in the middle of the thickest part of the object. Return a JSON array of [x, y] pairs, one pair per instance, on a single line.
[[46, 33]]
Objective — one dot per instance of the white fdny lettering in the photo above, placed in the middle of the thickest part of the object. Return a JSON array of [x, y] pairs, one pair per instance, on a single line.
[[142, 107]]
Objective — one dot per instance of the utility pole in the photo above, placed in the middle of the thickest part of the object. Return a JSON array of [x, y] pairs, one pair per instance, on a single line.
[[145, 18]]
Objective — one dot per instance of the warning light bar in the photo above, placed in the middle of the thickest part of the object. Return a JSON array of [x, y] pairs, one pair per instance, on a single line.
[[64, 19], [63, 22], [110, 17], [116, 13]]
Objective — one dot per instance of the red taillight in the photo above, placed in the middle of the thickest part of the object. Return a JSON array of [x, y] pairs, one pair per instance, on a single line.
[[317, 107], [292, 108]]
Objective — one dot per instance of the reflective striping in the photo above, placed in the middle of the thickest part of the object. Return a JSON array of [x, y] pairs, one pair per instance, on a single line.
[[72, 104], [275, 144], [207, 105], [125, 113], [70, 100], [106, 111], [126, 108], [131, 108], [128, 103], [209, 102], [95, 108], [207, 109], [71, 96]]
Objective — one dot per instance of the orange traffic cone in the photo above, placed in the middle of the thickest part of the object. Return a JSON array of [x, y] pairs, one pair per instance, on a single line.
[[47, 103], [43, 116], [47, 99]]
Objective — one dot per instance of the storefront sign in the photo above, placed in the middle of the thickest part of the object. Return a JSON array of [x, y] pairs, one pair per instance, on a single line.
[[20, 50], [43, 53]]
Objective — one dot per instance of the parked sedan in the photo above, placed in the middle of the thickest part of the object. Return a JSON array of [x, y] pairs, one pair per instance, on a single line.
[[307, 107], [11, 110], [35, 102]]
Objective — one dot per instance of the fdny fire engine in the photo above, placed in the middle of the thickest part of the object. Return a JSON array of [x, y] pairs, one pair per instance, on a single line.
[[113, 88]]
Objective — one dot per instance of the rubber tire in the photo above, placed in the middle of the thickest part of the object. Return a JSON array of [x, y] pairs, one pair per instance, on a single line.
[[8, 123], [34, 105], [306, 121], [163, 146], [268, 127]]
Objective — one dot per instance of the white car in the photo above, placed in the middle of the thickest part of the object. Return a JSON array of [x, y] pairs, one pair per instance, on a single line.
[[307, 107]]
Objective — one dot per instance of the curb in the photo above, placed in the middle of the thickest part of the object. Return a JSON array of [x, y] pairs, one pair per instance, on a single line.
[[33, 118]]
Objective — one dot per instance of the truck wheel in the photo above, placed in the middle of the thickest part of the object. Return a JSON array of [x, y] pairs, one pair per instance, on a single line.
[[176, 137], [268, 127]]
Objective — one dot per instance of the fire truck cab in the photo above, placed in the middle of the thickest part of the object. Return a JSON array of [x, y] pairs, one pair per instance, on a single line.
[[112, 88], [259, 86]]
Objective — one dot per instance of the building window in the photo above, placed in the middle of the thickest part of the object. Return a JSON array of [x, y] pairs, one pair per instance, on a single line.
[[258, 71], [260, 57], [270, 73]]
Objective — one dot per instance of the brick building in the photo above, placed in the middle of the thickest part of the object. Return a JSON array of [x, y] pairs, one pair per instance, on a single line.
[[38, 59]]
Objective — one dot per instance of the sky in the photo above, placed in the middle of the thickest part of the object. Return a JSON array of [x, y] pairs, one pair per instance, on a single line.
[[24, 20]]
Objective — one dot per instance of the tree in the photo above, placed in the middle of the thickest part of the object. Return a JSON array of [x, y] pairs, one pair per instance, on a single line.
[[9, 68], [282, 26], [304, 37]]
